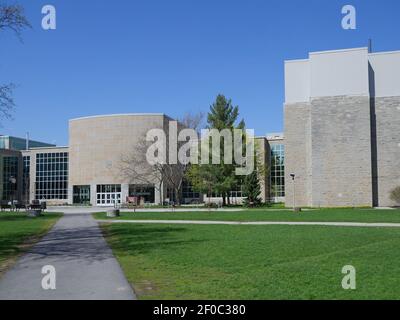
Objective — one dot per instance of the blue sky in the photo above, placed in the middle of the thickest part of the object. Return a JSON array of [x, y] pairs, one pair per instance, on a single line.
[[128, 56]]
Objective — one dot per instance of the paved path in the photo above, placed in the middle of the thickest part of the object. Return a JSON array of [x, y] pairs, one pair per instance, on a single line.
[[260, 223], [85, 266]]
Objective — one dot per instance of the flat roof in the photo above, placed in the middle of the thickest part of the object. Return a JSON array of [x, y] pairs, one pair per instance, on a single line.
[[30, 140], [339, 50], [342, 50], [121, 115], [47, 148]]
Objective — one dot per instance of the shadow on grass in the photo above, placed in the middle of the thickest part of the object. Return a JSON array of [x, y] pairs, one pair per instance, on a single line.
[[78, 241], [22, 216], [18, 232], [140, 239]]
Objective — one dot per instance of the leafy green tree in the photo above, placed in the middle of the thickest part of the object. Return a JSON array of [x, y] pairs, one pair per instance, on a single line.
[[204, 178], [252, 190]]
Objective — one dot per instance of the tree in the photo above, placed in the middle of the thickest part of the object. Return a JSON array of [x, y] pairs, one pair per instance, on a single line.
[[193, 121], [204, 178], [7, 103], [252, 190], [223, 115], [12, 18], [136, 169]]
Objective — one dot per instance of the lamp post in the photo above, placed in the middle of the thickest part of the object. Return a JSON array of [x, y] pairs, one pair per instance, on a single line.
[[294, 190], [13, 182]]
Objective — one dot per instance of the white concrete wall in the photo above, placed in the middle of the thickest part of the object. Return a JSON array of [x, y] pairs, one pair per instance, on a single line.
[[339, 73], [297, 81], [328, 74], [386, 73]]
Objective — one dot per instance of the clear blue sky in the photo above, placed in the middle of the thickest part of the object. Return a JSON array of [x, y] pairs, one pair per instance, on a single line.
[[127, 56]]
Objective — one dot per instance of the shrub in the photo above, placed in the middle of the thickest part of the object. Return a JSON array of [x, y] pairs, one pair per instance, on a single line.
[[395, 195]]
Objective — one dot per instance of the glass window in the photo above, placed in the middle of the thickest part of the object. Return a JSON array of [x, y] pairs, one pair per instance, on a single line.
[[108, 194], [277, 166], [51, 178], [10, 170]]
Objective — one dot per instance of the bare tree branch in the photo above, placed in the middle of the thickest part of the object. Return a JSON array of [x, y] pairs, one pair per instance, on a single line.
[[12, 17], [193, 120], [7, 104]]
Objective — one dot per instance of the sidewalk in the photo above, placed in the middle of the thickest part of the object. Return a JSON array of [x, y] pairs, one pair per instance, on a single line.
[[85, 266], [260, 223]]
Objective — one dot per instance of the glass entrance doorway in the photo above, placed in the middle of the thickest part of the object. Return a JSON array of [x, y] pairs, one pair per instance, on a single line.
[[108, 194]]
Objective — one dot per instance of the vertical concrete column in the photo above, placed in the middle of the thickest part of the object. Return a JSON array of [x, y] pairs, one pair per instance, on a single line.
[[124, 192], [32, 177], [93, 193], [70, 194]]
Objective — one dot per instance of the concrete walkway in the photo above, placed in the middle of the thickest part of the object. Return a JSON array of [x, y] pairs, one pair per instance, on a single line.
[[85, 266], [260, 223]]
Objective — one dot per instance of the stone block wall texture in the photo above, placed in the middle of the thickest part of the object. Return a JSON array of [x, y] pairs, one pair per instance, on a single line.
[[297, 153], [341, 151], [98, 144], [387, 113]]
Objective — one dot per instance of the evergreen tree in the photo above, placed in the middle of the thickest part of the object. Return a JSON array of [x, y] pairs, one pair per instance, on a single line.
[[223, 115], [252, 190]]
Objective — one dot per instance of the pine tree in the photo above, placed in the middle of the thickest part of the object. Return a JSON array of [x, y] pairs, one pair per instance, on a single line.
[[252, 190], [223, 115]]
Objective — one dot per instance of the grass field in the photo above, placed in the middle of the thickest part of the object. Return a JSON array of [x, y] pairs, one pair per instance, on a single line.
[[323, 215], [17, 232], [256, 262]]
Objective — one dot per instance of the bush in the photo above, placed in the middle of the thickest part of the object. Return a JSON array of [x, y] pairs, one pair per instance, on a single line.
[[395, 195]]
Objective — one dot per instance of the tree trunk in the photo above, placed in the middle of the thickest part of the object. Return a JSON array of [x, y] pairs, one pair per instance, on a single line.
[[160, 190], [177, 197]]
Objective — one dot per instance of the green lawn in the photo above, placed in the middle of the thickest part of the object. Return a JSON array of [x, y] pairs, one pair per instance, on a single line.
[[323, 215], [256, 262], [17, 232]]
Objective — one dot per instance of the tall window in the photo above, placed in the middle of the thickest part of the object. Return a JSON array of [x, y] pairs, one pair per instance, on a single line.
[[10, 170], [81, 194], [277, 171], [52, 176], [188, 192], [26, 177]]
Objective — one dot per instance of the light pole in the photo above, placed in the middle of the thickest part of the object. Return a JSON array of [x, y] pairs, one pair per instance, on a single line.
[[294, 190], [13, 182]]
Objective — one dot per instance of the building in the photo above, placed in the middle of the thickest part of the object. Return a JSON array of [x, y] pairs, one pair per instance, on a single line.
[[89, 170], [14, 143], [14, 179], [272, 148], [342, 121], [11, 175], [341, 141]]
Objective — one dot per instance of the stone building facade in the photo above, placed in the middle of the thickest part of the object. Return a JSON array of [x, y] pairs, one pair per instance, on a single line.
[[342, 121]]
